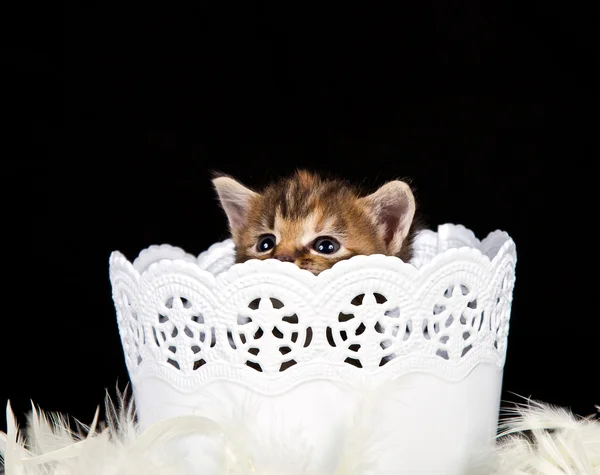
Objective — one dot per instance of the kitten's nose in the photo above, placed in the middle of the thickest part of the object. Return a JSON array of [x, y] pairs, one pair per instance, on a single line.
[[285, 258]]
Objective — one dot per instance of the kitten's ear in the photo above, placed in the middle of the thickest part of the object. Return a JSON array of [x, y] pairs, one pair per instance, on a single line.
[[235, 199], [393, 206]]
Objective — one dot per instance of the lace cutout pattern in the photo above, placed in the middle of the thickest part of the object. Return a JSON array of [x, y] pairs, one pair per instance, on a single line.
[[271, 325]]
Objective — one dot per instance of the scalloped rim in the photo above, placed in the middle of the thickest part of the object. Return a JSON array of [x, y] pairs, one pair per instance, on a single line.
[[508, 246]]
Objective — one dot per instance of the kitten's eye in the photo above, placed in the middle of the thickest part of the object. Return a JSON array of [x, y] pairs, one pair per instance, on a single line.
[[326, 246], [265, 243]]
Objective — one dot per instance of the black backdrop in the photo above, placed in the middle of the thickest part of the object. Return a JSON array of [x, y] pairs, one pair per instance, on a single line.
[[484, 107]]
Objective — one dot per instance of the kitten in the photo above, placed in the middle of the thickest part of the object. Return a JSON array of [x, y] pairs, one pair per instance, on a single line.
[[315, 222]]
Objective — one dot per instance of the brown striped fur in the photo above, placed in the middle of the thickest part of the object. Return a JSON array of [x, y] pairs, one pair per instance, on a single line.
[[303, 207]]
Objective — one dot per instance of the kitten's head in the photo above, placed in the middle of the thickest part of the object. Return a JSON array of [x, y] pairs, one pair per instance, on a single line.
[[315, 222]]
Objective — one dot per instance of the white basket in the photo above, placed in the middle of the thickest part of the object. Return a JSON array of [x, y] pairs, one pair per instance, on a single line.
[[272, 351]]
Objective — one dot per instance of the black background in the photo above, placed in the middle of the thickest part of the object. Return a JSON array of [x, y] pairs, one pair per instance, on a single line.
[[114, 128]]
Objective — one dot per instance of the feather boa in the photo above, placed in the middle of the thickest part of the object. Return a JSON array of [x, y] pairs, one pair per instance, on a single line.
[[534, 438]]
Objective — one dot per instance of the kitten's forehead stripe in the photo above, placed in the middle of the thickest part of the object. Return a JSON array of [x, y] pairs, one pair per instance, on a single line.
[[271, 220], [322, 221]]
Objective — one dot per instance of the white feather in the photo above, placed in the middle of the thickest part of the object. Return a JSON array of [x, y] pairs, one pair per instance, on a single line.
[[559, 443], [534, 439]]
